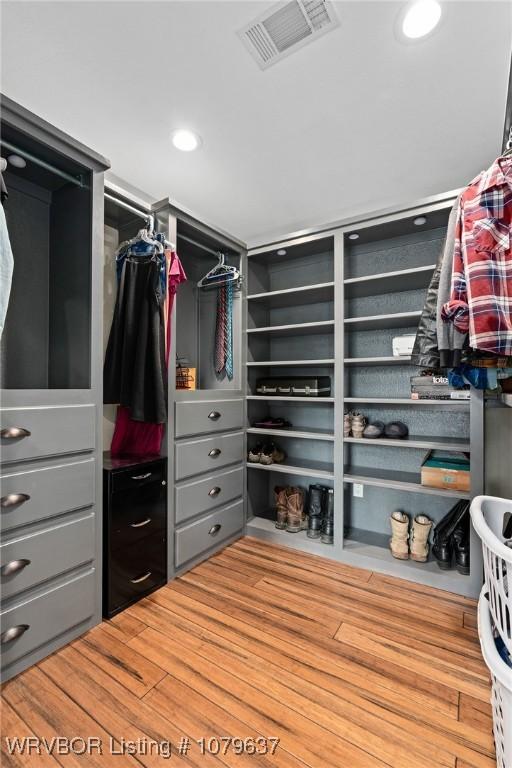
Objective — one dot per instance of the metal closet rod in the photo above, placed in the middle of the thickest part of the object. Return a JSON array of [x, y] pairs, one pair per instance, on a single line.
[[78, 180], [142, 214], [198, 245]]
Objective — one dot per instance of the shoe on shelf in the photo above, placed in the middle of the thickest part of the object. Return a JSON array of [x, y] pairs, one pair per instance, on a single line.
[[315, 497], [357, 424], [328, 524], [297, 520], [272, 423], [442, 543], [399, 542], [396, 430], [281, 502], [420, 532], [347, 424], [374, 430], [460, 538], [254, 454]]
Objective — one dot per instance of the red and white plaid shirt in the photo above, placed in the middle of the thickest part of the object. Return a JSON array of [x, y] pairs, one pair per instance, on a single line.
[[481, 294]]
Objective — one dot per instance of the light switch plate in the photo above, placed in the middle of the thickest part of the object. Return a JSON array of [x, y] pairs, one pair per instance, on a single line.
[[358, 490]]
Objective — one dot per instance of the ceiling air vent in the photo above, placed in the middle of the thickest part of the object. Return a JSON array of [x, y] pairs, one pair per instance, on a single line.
[[285, 27]]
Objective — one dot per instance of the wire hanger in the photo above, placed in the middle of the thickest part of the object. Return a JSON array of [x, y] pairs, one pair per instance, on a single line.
[[220, 274], [508, 147]]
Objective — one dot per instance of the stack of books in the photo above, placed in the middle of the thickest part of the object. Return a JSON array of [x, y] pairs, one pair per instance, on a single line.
[[435, 386]]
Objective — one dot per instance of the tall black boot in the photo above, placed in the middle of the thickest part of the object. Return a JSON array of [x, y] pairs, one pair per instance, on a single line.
[[442, 546], [315, 496], [328, 524], [460, 540]]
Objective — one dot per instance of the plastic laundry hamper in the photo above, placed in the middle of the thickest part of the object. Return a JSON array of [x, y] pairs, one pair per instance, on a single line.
[[487, 515], [501, 698]]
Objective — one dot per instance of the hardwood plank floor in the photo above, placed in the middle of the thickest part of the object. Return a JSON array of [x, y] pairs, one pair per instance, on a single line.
[[347, 668]]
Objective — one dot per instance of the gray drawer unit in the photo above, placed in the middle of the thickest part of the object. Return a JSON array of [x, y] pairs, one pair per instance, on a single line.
[[204, 534], [197, 418], [29, 625], [44, 492], [35, 558], [194, 457], [199, 496], [32, 433]]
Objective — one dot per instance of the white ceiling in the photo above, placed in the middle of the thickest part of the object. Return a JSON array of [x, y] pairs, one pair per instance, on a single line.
[[354, 122]]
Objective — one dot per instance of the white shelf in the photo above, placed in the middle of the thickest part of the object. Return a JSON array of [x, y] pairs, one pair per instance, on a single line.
[[286, 399], [400, 481], [304, 433], [388, 282], [294, 329], [327, 362], [308, 294], [412, 441], [376, 322], [390, 360], [396, 401], [293, 466]]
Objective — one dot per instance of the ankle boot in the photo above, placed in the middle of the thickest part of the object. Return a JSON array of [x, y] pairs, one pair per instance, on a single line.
[[399, 542], [315, 511], [419, 538], [358, 424], [328, 525], [460, 539], [296, 515], [281, 502], [442, 545]]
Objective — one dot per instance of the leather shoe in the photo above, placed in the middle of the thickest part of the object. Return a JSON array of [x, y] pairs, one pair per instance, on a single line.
[[442, 545], [460, 540]]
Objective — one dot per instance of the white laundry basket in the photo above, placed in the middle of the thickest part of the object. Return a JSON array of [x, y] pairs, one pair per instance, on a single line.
[[501, 698], [487, 515]]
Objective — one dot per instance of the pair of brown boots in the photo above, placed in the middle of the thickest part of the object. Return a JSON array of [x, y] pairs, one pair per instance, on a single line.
[[290, 514]]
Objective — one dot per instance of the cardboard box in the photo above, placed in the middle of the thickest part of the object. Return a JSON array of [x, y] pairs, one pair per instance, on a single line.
[[445, 470]]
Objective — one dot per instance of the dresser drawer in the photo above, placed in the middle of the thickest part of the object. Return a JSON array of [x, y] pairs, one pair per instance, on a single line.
[[35, 622], [194, 457], [197, 418], [31, 433], [41, 493], [194, 498], [33, 559], [198, 537], [135, 571]]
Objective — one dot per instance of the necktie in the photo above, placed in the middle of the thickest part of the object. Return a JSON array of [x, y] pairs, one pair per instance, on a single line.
[[224, 331]]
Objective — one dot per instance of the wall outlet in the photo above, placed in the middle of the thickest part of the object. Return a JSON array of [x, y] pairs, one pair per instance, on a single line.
[[358, 490]]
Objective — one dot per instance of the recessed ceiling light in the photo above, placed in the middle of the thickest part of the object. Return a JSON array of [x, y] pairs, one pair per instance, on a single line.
[[281, 252], [353, 236], [16, 161], [420, 220], [185, 140], [420, 18]]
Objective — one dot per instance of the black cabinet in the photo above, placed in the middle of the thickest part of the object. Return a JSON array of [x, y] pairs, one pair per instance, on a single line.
[[135, 530]]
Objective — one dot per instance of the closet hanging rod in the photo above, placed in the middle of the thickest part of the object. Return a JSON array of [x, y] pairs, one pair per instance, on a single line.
[[127, 207], [198, 245], [78, 180]]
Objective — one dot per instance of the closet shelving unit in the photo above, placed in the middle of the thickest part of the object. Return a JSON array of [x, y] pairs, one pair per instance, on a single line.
[[373, 288]]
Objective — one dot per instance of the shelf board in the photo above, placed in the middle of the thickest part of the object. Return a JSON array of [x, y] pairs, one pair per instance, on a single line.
[[415, 441], [327, 362], [396, 401], [389, 360], [400, 481], [289, 297], [295, 329], [293, 466], [305, 433], [375, 322], [388, 282], [261, 526], [286, 399]]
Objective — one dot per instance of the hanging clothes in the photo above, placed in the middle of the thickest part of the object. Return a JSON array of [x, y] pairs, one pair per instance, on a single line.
[[224, 331], [481, 287], [6, 268]]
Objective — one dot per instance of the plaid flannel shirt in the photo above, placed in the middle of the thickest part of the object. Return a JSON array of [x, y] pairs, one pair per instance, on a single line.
[[481, 292]]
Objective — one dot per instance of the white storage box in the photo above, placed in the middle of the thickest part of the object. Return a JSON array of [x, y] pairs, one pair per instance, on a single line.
[[403, 345]]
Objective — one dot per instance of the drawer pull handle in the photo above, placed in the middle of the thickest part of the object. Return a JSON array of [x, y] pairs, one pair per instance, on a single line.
[[12, 432], [215, 452], [141, 578], [142, 477], [13, 499], [214, 415], [215, 529], [214, 491], [13, 633], [14, 566], [141, 524]]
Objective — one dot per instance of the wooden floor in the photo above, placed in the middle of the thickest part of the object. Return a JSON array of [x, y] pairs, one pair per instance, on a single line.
[[345, 667]]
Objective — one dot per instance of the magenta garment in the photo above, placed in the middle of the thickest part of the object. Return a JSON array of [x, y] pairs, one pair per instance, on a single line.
[[140, 438]]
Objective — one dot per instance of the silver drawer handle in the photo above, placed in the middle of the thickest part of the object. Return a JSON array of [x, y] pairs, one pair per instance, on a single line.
[[214, 415], [214, 491], [141, 578], [13, 633], [12, 432], [215, 452], [215, 529], [142, 477], [14, 566], [13, 499], [142, 524]]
